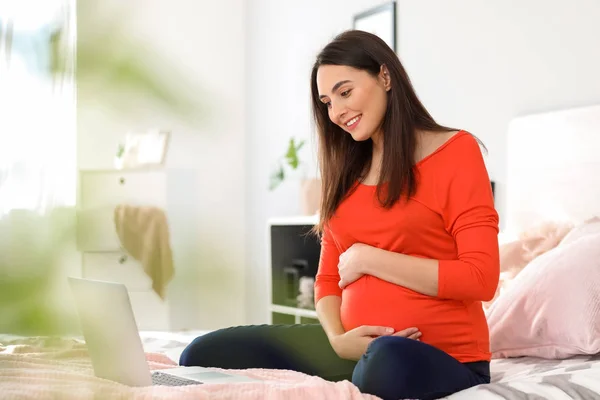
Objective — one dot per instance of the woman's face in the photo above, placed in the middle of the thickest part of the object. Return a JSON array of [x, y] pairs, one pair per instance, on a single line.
[[356, 100]]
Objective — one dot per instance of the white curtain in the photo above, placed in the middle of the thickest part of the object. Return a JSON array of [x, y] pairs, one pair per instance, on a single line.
[[37, 107]]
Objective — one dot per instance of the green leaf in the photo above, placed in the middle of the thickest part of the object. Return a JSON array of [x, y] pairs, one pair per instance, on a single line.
[[120, 150], [277, 178], [292, 153]]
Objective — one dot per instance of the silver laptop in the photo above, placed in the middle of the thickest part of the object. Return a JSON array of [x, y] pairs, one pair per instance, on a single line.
[[114, 343]]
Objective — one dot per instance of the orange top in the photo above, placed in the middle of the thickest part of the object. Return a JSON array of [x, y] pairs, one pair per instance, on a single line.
[[452, 219]]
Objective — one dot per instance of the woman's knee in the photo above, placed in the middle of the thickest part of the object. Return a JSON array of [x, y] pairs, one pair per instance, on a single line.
[[388, 354], [195, 352], [388, 348], [386, 367]]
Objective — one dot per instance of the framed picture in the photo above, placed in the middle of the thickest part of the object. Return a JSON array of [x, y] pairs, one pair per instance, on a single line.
[[141, 150], [380, 21]]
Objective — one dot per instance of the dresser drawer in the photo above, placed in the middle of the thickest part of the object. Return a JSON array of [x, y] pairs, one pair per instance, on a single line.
[[101, 192], [96, 230], [150, 311], [116, 267], [101, 189]]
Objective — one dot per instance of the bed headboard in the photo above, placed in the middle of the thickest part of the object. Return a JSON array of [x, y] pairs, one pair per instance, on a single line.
[[553, 168]]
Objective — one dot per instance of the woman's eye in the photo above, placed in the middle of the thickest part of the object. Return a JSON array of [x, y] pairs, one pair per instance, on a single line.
[[345, 93], [328, 104]]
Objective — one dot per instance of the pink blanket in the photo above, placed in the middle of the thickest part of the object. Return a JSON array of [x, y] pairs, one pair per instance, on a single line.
[[45, 368]]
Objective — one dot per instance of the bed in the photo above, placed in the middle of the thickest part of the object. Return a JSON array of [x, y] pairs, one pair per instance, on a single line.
[[58, 368], [553, 174]]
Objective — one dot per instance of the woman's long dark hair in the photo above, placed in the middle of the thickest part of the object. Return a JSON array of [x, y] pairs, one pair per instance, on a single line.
[[342, 160]]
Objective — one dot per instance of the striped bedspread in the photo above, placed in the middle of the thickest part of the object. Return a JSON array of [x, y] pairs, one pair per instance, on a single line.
[[537, 379]]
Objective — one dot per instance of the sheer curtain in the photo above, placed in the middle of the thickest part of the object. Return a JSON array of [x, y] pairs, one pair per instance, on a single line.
[[37, 105]]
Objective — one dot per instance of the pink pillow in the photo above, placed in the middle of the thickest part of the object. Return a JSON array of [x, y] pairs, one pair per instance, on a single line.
[[515, 255], [589, 227], [544, 237], [552, 308]]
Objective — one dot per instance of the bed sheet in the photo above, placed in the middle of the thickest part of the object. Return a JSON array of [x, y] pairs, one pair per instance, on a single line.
[[512, 379], [41, 367], [59, 368], [537, 379]]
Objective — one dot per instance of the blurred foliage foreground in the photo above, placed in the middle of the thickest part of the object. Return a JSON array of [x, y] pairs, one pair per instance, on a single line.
[[37, 252]]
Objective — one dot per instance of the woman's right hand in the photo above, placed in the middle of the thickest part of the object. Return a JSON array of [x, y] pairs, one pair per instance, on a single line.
[[353, 344]]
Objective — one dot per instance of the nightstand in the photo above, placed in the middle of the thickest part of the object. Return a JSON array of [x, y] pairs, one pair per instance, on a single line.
[[293, 256]]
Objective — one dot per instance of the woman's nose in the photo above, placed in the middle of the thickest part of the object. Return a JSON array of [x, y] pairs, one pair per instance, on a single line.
[[338, 114]]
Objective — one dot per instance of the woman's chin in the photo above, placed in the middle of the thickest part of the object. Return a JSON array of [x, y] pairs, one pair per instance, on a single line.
[[359, 136]]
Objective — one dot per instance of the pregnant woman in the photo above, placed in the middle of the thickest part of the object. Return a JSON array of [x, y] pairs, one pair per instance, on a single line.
[[409, 245]]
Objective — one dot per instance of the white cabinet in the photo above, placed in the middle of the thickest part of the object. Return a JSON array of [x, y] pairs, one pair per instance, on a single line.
[[118, 267], [101, 191], [102, 255], [110, 187]]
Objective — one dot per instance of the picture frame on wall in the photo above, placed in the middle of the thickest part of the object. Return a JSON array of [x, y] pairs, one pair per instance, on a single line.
[[380, 21], [143, 149]]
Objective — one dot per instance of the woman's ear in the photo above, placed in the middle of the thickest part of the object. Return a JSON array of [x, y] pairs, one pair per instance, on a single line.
[[384, 76]]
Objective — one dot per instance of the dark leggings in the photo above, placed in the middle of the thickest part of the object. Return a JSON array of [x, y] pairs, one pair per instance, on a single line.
[[392, 368]]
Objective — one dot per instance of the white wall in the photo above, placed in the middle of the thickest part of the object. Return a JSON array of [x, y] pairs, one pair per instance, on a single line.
[[474, 64], [204, 42], [282, 41]]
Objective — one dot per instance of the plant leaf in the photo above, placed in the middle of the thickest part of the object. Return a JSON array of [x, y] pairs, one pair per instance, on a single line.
[[292, 153], [277, 178]]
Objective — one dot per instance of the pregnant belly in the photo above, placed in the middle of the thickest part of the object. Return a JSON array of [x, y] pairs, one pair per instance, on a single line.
[[372, 301]]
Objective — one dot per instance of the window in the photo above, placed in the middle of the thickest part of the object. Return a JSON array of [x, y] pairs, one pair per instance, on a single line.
[[37, 105]]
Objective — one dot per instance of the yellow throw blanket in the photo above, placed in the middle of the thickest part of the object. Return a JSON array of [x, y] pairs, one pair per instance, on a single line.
[[144, 234]]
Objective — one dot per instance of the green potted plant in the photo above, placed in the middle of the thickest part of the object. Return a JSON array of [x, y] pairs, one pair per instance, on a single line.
[[290, 164], [290, 161]]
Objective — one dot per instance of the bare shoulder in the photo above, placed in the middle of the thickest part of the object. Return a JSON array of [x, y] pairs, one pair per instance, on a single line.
[[436, 139], [445, 136], [431, 142], [463, 137]]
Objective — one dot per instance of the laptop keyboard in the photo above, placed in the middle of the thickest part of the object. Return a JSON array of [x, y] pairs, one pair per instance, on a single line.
[[162, 379]]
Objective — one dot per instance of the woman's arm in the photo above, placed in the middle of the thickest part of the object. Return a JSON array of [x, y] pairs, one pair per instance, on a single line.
[[349, 345], [328, 294], [466, 203], [471, 277], [418, 274], [328, 311]]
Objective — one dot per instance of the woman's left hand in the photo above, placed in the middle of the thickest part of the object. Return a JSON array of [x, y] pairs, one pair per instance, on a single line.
[[353, 263]]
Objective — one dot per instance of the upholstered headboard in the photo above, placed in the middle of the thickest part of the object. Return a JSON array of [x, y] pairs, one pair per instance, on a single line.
[[553, 168]]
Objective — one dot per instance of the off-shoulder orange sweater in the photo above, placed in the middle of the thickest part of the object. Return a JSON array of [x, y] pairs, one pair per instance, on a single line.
[[452, 219]]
